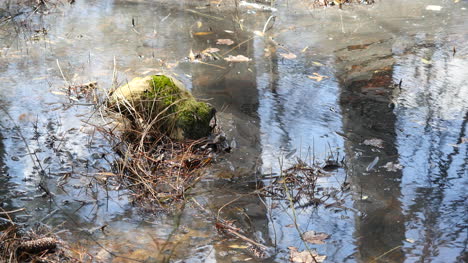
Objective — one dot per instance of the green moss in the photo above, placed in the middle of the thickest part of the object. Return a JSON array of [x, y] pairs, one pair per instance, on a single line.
[[183, 116], [194, 119]]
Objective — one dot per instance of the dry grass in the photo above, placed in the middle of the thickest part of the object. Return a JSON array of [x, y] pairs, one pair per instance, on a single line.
[[35, 245], [158, 170]]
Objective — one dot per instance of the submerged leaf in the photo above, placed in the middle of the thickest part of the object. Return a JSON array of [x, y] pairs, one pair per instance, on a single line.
[[315, 237]]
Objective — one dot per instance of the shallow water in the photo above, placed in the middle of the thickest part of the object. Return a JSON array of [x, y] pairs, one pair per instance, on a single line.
[[271, 109]]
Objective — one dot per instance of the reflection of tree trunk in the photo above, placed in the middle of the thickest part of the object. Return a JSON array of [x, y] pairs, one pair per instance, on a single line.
[[233, 91], [366, 115]]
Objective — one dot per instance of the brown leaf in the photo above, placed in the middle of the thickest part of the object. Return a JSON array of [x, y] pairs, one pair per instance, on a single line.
[[288, 55], [315, 237], [224, 42], [210, 50], [238, 58], [305, 256]]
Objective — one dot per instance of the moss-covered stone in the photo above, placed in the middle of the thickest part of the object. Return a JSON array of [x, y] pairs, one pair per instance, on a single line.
[[178, 113]]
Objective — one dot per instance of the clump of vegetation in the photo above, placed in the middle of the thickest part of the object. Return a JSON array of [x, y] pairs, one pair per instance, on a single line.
[[163, 138]]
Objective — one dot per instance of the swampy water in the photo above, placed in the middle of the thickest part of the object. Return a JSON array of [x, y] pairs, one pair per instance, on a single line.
[[382, 88]]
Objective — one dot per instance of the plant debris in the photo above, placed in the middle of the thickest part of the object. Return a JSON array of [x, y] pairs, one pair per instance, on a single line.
[[315, 237], [33, 245], [305, 256]]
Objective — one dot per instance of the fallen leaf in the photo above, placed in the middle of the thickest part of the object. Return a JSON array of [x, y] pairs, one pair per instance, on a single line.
[[224, 42], [410, 240], [202, 33], [425, 61], [238, 58], [199, 24], [315, 237], [317, 77], [374, 142], [288, 55], [229, 31], [317, 63], [392, 167], [210, 50], [305, 256], [433, 7], [304, 50]]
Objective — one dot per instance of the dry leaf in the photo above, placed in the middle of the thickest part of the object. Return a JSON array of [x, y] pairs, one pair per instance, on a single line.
[[315, 237], [199, 24], [392, 167], [374, 142], [224, 42], [317, 77], [410, 240], [238, 58], [288, 55], [317, 63], [210, 50], [305, 256], [202, 33]]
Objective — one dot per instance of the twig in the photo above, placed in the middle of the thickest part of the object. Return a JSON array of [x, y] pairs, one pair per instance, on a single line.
[[12, 212]]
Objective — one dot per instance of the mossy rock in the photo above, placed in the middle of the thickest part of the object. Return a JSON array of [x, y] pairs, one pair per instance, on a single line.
[[178, 113]]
